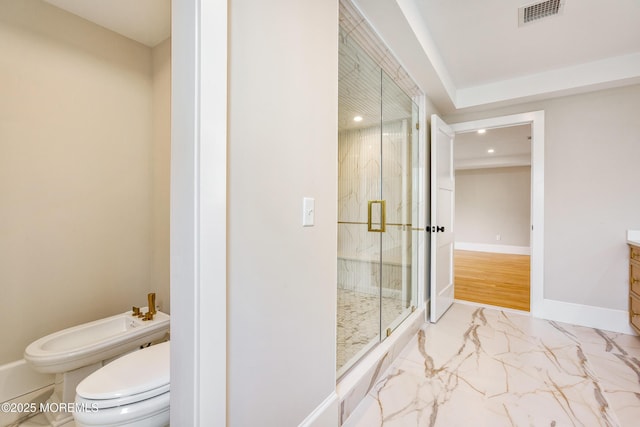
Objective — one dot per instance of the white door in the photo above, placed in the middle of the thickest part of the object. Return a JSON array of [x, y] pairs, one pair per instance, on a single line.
[[442, 199]]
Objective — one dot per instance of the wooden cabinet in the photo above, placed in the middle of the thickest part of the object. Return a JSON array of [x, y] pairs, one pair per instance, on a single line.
[[634, 287]]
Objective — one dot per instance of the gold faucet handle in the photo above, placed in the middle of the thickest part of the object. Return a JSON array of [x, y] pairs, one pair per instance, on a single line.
[[152, 302], [148, 316], [135, 311]]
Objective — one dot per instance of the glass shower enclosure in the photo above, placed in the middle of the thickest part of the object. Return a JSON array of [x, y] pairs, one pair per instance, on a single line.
[[377, 204]]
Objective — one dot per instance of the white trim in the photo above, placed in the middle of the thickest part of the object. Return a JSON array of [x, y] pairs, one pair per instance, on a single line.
[[494, 162], [212, 214], [426, 63], [198, 213], [411, 12], [20, 385], [575, 314], [423, 241], [633, 236], [586, 315], [326, 414], [18, 378], [536, 119], [605, 73], [495, 249]]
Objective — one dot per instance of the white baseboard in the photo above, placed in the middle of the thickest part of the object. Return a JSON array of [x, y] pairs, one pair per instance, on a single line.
[[586, 315], [576, 314], [498, 249], [19, 384], [17, 379], [325, 415]]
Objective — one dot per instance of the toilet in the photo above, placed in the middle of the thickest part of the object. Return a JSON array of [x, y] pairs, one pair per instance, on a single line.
[[130, 391]]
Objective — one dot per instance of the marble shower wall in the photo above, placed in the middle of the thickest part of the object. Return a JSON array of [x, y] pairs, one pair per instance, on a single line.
[[360, 164]]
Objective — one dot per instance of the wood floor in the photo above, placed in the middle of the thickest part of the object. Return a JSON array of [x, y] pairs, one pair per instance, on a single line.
[[494, 279]]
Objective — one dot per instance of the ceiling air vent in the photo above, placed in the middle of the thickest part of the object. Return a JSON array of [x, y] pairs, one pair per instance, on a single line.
[[536, 11]]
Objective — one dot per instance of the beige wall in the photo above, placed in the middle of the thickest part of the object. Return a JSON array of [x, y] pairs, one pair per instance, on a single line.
[[160, 167], [76, 175], [592, 147], [282, 146], [493, 201]]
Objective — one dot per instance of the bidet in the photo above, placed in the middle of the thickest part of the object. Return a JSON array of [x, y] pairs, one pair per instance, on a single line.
[[74, 353]]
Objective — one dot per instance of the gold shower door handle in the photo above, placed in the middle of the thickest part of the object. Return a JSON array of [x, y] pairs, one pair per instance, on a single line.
[[383, 216]]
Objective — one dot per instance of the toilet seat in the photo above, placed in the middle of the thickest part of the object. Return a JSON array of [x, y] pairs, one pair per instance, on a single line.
[[147, 413], [133, 378], [120, 401]]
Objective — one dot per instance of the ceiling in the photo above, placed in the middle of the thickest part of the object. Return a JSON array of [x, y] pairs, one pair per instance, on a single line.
[[511, 147], [462, 53], [470, 53], [145, 21]]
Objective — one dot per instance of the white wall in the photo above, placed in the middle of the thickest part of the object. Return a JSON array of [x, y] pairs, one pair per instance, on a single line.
[[493, 201], [283, 95], [592, 147], [76, 181]]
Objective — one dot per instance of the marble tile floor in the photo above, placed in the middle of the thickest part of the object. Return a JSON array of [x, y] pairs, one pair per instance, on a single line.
[[38, 421], [358, 321], [486, 367]]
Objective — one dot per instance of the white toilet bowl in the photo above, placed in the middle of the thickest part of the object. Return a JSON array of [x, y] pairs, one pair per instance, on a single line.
[[130, 391]]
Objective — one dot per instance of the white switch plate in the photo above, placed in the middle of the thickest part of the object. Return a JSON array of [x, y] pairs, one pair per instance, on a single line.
[[308, 211]]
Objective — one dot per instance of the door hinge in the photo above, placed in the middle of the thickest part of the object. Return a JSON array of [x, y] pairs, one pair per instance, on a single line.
[[417, 125]]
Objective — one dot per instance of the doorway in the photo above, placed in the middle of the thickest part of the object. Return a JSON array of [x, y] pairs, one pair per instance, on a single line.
[[493, 216], [536, 121]]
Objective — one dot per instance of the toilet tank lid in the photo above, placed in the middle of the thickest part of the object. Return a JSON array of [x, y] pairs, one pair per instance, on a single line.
[[134, 373]]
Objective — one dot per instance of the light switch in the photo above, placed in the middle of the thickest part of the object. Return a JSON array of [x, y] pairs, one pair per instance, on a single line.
[[308, 211]]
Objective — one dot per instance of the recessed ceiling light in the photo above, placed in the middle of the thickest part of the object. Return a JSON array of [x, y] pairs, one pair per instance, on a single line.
[[482, 131], [491, 151], [357, 119]]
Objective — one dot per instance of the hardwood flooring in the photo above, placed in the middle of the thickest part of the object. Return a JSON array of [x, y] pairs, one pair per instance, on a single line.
[[495, 279]]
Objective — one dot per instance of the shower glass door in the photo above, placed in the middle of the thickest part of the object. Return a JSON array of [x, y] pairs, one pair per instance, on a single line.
[[399, 128], [359, 168], [376, 207]]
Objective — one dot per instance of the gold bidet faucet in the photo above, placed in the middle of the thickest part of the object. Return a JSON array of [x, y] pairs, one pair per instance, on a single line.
[[151, 300]]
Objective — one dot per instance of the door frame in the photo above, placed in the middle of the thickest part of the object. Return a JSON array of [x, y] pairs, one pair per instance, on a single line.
[[536, 120], [198, 212]]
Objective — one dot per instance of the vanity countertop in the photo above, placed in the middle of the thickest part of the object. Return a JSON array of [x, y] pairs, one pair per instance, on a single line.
[[633, 237]]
